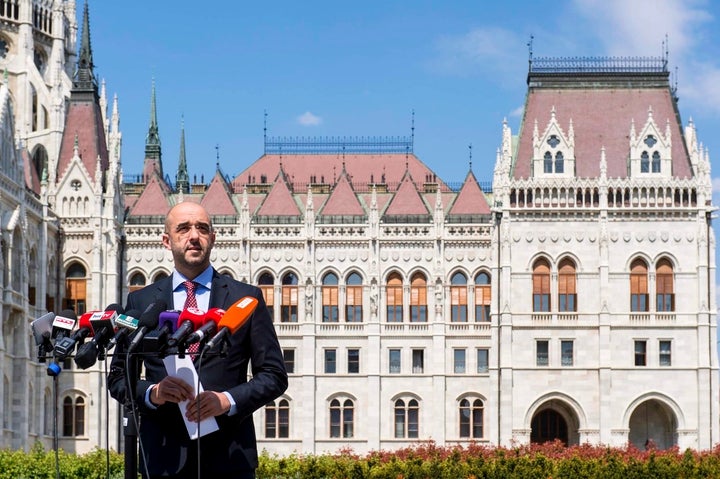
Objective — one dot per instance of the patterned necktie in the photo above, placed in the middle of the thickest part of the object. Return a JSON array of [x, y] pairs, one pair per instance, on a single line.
[[191, 302]]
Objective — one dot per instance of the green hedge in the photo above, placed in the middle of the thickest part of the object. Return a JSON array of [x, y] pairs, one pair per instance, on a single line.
[[426, 461], [40, 464]]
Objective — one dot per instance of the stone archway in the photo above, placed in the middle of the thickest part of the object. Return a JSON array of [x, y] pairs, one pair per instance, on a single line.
[[653, 424], [555, 420]]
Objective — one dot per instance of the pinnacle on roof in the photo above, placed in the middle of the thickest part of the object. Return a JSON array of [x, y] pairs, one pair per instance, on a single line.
[[182, 180], [152, 140], [84, 76]]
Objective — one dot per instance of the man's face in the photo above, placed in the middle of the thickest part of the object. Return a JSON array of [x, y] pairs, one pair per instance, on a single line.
[[189, 235]]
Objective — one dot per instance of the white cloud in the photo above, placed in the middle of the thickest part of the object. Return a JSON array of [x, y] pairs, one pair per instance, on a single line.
[[517, 112], [308, 119], [716, 187], [685, 23], [490, 51]]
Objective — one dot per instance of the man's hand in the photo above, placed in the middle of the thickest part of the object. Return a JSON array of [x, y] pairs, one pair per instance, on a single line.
[[171, 389], [207, 404]]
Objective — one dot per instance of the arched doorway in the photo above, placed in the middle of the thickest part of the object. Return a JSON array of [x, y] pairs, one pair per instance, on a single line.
[[548, 425], [653, 424], [555, 420]]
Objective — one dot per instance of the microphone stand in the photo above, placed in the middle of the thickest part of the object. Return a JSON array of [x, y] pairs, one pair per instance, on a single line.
[[54, 370], [130, 419]]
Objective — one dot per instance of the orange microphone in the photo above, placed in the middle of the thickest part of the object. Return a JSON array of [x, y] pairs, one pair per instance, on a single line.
[[233, 319]]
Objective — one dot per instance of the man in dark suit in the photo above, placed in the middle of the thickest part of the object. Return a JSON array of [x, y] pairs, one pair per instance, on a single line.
[[229, 397]]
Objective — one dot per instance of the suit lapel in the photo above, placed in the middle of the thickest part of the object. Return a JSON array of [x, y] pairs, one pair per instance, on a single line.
[[164, 292], [219, 291]]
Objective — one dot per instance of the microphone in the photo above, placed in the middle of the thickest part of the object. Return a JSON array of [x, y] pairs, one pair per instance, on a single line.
[[235, 316], [42, 331], [103, 326], [147, 322], [190, 319], [129, 323], [212, 318], [65, 345], [156, 341], [63, 323]]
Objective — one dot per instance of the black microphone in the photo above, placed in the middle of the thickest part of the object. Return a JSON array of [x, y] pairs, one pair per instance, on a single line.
[[42, 331], [148, 321], [65, 342], [103, 326], [126, 323], [156, 340]]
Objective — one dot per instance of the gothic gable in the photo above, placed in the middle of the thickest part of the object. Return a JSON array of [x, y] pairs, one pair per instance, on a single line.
[[650, 150], [75, 193], [553, 151]]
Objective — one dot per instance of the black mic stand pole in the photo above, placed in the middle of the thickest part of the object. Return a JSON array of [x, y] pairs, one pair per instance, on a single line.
[[54, 370], [130, 418]]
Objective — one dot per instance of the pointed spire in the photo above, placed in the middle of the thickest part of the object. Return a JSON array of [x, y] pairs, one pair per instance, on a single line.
[[182, 181], [153, 149], [84, 76]]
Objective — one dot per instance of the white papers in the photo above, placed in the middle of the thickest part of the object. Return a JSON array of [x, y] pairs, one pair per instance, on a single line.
[[184, 369]]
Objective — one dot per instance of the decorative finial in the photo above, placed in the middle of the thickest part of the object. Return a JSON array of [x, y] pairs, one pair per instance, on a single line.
[[217, 157], [530, 49], [412, 130], [470, 154]]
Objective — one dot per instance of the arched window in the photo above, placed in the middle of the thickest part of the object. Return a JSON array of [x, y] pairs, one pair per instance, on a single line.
[[418, 298], [354, 299], [471, 418], [159, 276], [644, 162], [393, 293], [16, 260], [342, 418], [541, 286], [656, 162], [547, 162], [32, 277], [567, 293], [638, 286], [559, 162], [277, 419], [330, 298], [265, 283], [482, 297], [137, 281], [458, 298], [289, 306], [407, 423], [665, 290], [75, 288], [73, 416]]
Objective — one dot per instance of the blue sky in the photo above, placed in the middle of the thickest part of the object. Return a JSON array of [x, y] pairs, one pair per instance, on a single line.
[[334, 68], [361, 68]]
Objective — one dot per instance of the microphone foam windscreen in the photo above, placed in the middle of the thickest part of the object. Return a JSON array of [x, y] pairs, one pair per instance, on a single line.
[[238, 313]]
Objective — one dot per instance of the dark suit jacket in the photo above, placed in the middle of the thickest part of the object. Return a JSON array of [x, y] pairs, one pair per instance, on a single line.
[[162, 431]]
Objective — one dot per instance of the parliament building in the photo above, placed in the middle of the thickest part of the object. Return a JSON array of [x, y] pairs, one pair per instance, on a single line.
[[568, 294]]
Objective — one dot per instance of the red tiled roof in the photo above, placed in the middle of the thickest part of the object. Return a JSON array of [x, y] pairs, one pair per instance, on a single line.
[[342, 200], [153, 200], [31, 176], [279, 201], [361, 169], [407, 200], [84, 120], [217, 200], [601, 117], [470, 199]]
